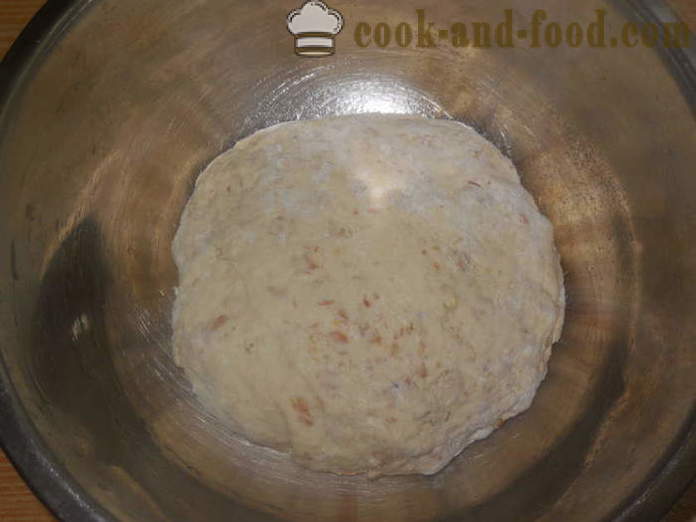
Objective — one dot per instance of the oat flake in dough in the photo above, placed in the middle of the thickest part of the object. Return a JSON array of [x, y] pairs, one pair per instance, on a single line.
[[366, 293]]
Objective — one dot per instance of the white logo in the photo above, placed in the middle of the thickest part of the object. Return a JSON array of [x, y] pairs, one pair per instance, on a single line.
[[315, 27]]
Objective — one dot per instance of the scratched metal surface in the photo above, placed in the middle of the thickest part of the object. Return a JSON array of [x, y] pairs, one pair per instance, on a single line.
[[99, 151]]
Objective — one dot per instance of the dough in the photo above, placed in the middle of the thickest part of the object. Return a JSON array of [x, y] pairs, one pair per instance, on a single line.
[[365, 293]]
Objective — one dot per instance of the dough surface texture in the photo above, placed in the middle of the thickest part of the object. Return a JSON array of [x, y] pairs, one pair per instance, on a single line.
[[369, 294]]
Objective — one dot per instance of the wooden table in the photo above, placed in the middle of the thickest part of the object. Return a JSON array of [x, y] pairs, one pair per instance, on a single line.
[[17, 502]]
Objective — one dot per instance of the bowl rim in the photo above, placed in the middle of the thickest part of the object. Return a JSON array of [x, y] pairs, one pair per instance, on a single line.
[[57, 488], [25, 448]]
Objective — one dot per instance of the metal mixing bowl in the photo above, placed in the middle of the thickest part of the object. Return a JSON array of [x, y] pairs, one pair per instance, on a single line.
[[110, 109]]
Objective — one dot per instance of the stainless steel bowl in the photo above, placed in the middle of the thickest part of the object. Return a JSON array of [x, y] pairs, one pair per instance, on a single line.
[[110, 110]]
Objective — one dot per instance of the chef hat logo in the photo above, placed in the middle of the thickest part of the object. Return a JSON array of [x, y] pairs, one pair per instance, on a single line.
[[315, 27]]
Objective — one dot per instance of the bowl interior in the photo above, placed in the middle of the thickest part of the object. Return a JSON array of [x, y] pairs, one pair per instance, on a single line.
[[103, 141]]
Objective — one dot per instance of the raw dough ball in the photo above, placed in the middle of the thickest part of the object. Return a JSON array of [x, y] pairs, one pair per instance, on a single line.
[[367, 293]]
